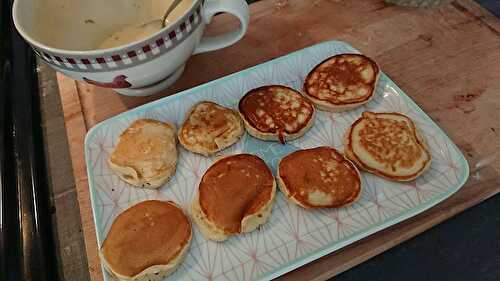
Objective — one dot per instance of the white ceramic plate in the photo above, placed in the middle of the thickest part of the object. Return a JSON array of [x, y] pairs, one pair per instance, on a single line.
[[293, 236]]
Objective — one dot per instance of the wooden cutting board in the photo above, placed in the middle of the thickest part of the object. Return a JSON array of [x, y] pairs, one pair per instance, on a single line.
[[447, 59]]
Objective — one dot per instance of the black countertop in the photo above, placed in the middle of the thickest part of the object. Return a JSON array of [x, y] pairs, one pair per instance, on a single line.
[[463, 248], [491, 5]]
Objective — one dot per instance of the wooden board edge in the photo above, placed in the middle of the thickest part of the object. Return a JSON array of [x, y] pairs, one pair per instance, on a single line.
[[76, 129], [476, 11]]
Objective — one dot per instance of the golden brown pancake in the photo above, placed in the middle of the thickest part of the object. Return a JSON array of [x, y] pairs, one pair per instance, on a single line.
[[234, 191], [149, 234], [388, 145], [319, 177], [209, 128], [342, 82], [276, 113]]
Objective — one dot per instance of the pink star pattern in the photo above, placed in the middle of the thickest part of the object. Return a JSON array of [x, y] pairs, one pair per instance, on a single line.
[[293, 236]]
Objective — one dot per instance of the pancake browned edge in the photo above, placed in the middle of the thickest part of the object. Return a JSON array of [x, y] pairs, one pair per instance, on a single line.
[[235, 195], [146, 242], [342, 82], [276, 113], [210, 128], [146, 153], [319, 177], [388, 145]]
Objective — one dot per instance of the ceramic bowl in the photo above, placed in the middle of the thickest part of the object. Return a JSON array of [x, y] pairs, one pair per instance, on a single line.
[[140, 68]]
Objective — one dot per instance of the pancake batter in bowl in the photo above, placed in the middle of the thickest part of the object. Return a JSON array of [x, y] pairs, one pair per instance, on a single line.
[[138, 31]]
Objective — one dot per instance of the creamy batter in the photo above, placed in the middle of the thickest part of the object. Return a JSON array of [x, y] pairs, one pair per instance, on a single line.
[[138, 31]]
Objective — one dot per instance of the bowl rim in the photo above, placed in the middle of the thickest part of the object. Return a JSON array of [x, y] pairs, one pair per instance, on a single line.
[[98, 52]]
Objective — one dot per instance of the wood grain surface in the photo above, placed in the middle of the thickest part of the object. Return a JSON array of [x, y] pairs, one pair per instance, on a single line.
[[447, 59]]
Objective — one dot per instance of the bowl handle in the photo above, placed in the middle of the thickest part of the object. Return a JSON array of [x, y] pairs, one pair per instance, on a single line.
[[238, 8]]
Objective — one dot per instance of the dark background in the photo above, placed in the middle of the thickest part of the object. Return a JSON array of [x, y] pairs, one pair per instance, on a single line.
[[492, 5]]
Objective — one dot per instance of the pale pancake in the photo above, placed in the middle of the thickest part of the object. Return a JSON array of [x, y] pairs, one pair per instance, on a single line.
[[276, 113], [342, 82], [146, 153], [209, 128], [388, 145]]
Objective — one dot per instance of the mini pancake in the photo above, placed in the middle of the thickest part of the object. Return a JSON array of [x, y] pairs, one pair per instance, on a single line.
[[388, 145], [342, 82], [276, 113], [209, 128], [319, 177], [146, 154], [146, 242], [235, 195]]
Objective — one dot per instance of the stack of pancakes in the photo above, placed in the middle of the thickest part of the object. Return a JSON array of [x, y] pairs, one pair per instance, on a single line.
[[236, 193]]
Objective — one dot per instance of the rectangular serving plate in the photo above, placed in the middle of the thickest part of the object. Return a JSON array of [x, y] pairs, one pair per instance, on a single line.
[[293, 236]]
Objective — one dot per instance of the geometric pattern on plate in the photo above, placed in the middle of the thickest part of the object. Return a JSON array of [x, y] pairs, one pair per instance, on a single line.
[[293, 236]]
